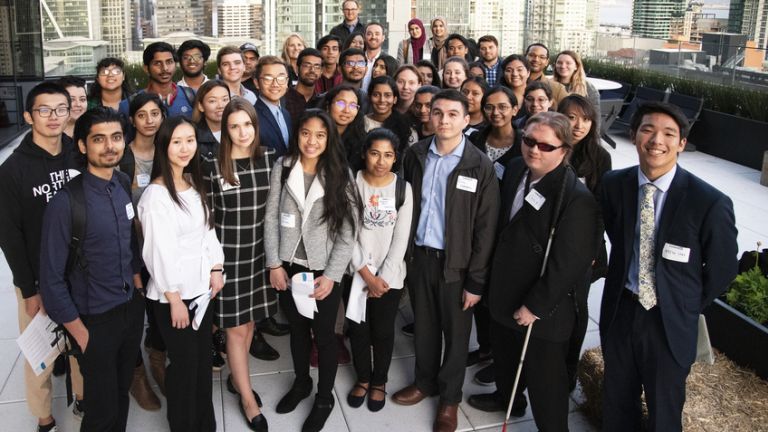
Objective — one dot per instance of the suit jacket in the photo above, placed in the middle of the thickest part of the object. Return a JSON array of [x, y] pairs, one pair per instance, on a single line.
[[269, 131], [695, 216], [521, 245]]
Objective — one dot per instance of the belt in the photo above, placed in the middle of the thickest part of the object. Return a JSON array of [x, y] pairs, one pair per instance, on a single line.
[[432, 252]]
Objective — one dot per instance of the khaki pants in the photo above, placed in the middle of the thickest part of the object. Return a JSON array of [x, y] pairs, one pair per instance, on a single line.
[[38, 387]]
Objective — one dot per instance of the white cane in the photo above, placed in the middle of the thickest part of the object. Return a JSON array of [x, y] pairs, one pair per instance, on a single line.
[[530, 326]]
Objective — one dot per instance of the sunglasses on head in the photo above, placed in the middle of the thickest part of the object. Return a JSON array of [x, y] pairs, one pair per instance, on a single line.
[[544, 147]]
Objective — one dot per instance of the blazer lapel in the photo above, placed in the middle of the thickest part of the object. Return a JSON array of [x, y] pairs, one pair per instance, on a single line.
[[272, 122], [629, 207]]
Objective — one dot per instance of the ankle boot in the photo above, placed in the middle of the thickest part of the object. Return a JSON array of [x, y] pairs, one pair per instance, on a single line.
[[157, 367], [142, 392]]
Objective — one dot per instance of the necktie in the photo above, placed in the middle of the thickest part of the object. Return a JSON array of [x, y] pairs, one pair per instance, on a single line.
[[282, 125], [647, 272]]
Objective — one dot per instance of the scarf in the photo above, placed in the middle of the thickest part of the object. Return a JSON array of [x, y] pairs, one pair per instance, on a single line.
[[418, 44]]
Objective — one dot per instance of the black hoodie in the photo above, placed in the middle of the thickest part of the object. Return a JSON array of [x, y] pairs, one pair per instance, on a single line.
[[29, 178]]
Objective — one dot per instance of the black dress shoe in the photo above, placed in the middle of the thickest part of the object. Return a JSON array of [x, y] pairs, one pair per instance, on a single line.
[[493, 402], [321, 410], [291, 400], [218, 361], [231, 388], [486, 376], [476, 357], [376, 405], [256, 424], [271, 327], [261, 349], [357, 401]]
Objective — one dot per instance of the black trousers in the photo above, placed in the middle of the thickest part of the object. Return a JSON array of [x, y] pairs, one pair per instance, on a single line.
[[322, 326], [438, 316], [544, 374], [579, 327], [188, 382], [637, 358], [107, 365], [483, 326], [377, 331]]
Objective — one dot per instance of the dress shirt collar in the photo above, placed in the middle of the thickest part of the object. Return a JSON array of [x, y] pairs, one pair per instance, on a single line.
[[274, 108], [663, 182], [458, 151]]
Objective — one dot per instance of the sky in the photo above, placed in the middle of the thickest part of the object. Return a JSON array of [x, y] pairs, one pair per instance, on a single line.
[[620, 11]]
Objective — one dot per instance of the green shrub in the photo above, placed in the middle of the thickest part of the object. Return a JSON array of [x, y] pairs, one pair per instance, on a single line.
[[749, 293]]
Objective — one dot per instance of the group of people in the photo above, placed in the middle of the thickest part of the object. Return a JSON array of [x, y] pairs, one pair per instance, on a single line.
[[476, 184]]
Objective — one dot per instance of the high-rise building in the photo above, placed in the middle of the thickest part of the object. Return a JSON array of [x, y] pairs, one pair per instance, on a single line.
[[456, 12], [560, 24], [651, 18], [71, 18], [180, 16], [240, 18], [750, 17], [115, 26]]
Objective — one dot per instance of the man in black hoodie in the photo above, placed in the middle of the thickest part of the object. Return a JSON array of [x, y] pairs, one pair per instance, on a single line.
[[42, 164]]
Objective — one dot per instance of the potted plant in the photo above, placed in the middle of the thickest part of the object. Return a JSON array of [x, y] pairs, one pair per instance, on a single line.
[[737, 326]]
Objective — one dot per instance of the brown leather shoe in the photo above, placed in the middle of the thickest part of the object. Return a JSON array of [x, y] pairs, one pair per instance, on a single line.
[[142, 392], [157, 367], [445, 421], [410, 395]]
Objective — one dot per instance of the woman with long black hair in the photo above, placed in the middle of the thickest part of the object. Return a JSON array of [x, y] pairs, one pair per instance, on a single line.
[[185, 261], [384, 94], [344, 104], [312, 211]]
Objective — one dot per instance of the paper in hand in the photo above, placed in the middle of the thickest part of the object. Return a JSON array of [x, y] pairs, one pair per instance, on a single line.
[[302, 287], [358, 297], [40, 344], [200, 305]]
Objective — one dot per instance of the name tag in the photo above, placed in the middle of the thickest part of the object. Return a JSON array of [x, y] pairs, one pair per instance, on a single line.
[[387, 204], [499, 168], [468, 184], [142, 180], [287, 220], [535, 199], [676, 253], [225, 186], [129, 211]]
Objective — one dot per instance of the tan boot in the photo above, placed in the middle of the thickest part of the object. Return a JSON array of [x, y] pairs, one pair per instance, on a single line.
[[157, 367], [142, 392]]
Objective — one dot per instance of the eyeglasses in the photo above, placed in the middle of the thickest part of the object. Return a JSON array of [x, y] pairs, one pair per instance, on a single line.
[[46, 112], [357, 64], [340, 104], [192, 57], [108, 72], [268, 80], [311, 66], [503, 108], [540, 101], [544, 147]]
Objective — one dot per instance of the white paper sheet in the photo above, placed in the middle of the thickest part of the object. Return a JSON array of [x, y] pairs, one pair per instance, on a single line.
[[302, 286], [39, 344], [200, 305], [358, 297]]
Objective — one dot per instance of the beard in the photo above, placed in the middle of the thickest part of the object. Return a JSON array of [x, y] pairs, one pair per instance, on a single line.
[[187, 73]]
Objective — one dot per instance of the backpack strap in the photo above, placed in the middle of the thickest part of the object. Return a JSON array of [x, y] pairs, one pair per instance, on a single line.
[[399, 192], [190, 94], [128, 162], [77, 208]]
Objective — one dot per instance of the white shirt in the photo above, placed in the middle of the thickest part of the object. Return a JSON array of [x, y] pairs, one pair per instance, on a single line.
[[179, 247]]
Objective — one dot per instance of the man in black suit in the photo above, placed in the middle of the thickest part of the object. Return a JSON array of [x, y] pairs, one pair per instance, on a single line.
[[673, 251]]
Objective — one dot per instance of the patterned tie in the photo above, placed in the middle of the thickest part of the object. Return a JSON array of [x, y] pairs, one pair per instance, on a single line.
[[282, 125], [647, 272]]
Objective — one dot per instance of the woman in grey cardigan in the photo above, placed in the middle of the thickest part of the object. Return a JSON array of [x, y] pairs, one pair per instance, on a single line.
[[312, 210]]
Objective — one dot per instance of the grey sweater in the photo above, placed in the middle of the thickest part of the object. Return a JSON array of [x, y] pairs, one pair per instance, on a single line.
[[293, 215]]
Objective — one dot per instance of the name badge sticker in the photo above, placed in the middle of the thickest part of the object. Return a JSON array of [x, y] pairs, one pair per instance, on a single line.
[[287, 220], [129, 211], [142, 180], [225, 186], [386, 204], [676, 253], [468, 184], [535, 199]]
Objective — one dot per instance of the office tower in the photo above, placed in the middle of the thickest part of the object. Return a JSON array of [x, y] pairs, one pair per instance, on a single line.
[[180, 16], [115, 26], [71, 18], [501, 18], [456, 12], [240, 19], [561, 24], [750, 17], [651, 18]]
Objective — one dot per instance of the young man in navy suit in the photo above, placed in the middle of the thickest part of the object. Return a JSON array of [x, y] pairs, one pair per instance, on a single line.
[[673, 251], [274, 120]]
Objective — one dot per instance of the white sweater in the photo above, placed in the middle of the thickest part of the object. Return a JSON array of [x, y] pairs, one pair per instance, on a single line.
[[383, 239], [179, 247]]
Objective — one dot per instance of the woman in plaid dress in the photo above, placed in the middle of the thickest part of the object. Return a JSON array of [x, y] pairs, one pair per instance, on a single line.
[[238, 188]]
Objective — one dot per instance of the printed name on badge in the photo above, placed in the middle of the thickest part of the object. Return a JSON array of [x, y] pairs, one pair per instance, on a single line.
[[535, 199], [468, 184], [142, 180], [129, 211], [287, 220], [386, 204], [676, 253]]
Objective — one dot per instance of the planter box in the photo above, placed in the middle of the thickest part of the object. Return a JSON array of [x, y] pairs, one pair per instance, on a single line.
[[732, 138], [739, 337]]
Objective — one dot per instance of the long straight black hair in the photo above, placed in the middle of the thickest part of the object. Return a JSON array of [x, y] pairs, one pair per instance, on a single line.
[[161, 166], [586, 153], [341, 202]]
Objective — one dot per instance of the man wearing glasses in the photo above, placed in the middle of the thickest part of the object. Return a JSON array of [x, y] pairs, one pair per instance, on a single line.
[[193, 55], [42, 164], [298, 98], [351, 24], [538, 57], [274, 120], [353, 68]]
